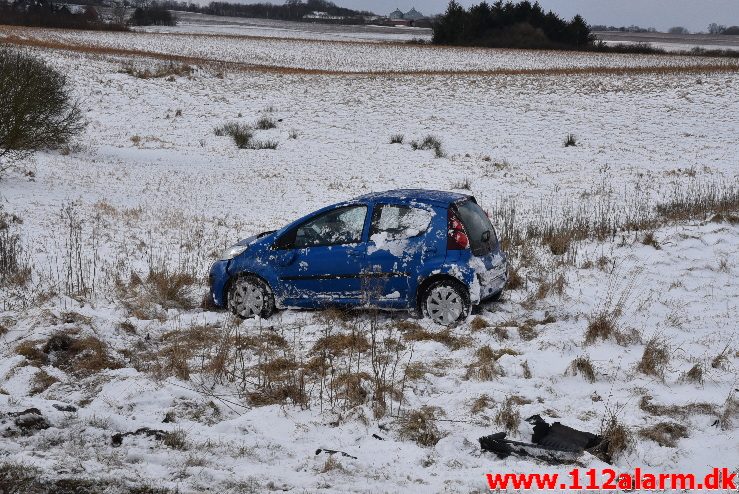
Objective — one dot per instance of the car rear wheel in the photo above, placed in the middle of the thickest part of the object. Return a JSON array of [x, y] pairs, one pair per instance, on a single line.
[[445, 302], [249, 296]]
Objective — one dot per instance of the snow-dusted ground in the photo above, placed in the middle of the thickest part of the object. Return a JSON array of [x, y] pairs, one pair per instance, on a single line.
[[152, 185]]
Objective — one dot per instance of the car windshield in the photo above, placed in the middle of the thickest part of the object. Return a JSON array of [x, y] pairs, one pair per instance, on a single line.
[[479, 229]]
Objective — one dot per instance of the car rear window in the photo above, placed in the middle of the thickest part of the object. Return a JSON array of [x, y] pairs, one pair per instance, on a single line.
[[479, 229], [400, 222]]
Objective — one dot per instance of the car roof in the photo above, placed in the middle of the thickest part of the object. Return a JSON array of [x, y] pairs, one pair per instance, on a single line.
[[438, 197]]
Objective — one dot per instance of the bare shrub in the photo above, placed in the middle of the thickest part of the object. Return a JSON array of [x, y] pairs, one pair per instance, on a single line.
[[526, 370], [665, 433], [171, 289], [397, 139], [508, 416], [268, 144], [570, 140], [582, 366], [420, 427], [721, 360], [730, 412], [655, 358], [515, 280]]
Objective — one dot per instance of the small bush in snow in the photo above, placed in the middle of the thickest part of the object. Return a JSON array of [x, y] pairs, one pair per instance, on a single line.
[[464, 184], [266, 123], [508, 416], [397, 139], [582, 366], [429, 142], [241, 134], [570, 140], [420, 427], [665, 433]]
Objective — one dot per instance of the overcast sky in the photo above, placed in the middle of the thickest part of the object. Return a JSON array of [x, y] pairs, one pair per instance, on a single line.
[[662, 14]]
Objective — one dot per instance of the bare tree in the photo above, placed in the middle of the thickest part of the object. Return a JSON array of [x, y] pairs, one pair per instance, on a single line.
[[37, 111], [714, 28], [118, 12]]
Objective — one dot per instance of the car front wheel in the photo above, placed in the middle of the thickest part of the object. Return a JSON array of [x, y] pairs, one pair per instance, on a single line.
[[445, 302], [249, 296]]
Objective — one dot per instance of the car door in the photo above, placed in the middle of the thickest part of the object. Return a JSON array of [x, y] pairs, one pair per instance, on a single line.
[[320, 260], [396, 249]]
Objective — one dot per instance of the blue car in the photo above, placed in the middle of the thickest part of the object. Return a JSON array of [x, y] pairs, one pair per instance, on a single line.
[[421, 250]]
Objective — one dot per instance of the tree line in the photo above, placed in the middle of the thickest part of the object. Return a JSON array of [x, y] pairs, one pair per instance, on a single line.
[[509, 25]]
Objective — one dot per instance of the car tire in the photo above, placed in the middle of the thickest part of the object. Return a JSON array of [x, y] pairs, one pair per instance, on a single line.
[[249, 296], [446, 302]]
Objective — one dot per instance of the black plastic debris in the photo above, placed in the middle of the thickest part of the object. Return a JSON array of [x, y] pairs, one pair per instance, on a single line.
[[65, 408], [30, 420], [117, 439], [333, 452], [380, 438], [554, 444], [560, 436]]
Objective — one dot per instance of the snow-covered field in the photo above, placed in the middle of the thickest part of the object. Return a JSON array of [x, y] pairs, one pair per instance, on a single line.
[[148, 186]]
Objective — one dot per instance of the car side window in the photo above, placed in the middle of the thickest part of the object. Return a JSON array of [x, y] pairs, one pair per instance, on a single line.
[[399, 222], [339, 226]]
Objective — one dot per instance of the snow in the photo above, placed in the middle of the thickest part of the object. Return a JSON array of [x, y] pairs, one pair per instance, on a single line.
[[181, 194]]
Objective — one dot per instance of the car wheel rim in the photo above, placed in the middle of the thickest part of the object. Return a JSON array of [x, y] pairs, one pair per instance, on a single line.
[[444, 305], [247, 300]]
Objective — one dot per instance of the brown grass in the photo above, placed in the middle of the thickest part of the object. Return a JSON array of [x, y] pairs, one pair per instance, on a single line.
[[677, 411], [665, 433], [515, 280], [177, 439], [41, 381], [31, 351], [478, 324], [650, 239], [604, 326], [420, 426], [508, 416], [655, 358], [617, 438], [168, 69], [526, 370], [582, 366], [171, 289], [481, 404], [485, 368], [445, 337], [694, 375]]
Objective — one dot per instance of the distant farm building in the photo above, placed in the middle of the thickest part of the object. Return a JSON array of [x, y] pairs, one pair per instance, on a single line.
[[410, 18]]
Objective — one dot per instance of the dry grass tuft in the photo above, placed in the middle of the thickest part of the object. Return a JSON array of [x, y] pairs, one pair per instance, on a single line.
[[420, 426], [485, 368], [169, 69], [526, 370], [31, 351], [341, 344], [41, 381], [177, 439], [582, 366], [478, 324], [604, 325], [650, 239], [677, 411], [508, 416], [482, 403], [515, 280], [655, 358], [445, 337], [694, 375], [617, 438], [665, 433], [171, 289]]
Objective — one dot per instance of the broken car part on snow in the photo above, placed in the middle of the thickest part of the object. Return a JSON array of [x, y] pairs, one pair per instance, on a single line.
[[554, 444]]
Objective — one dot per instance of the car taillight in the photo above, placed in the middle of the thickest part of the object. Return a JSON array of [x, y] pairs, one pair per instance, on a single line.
[[456, 237]]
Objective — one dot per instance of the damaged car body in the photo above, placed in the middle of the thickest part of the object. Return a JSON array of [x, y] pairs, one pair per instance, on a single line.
[[421, 250]]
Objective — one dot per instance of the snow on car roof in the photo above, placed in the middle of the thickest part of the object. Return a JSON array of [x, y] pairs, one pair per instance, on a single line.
[[417, 195]]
